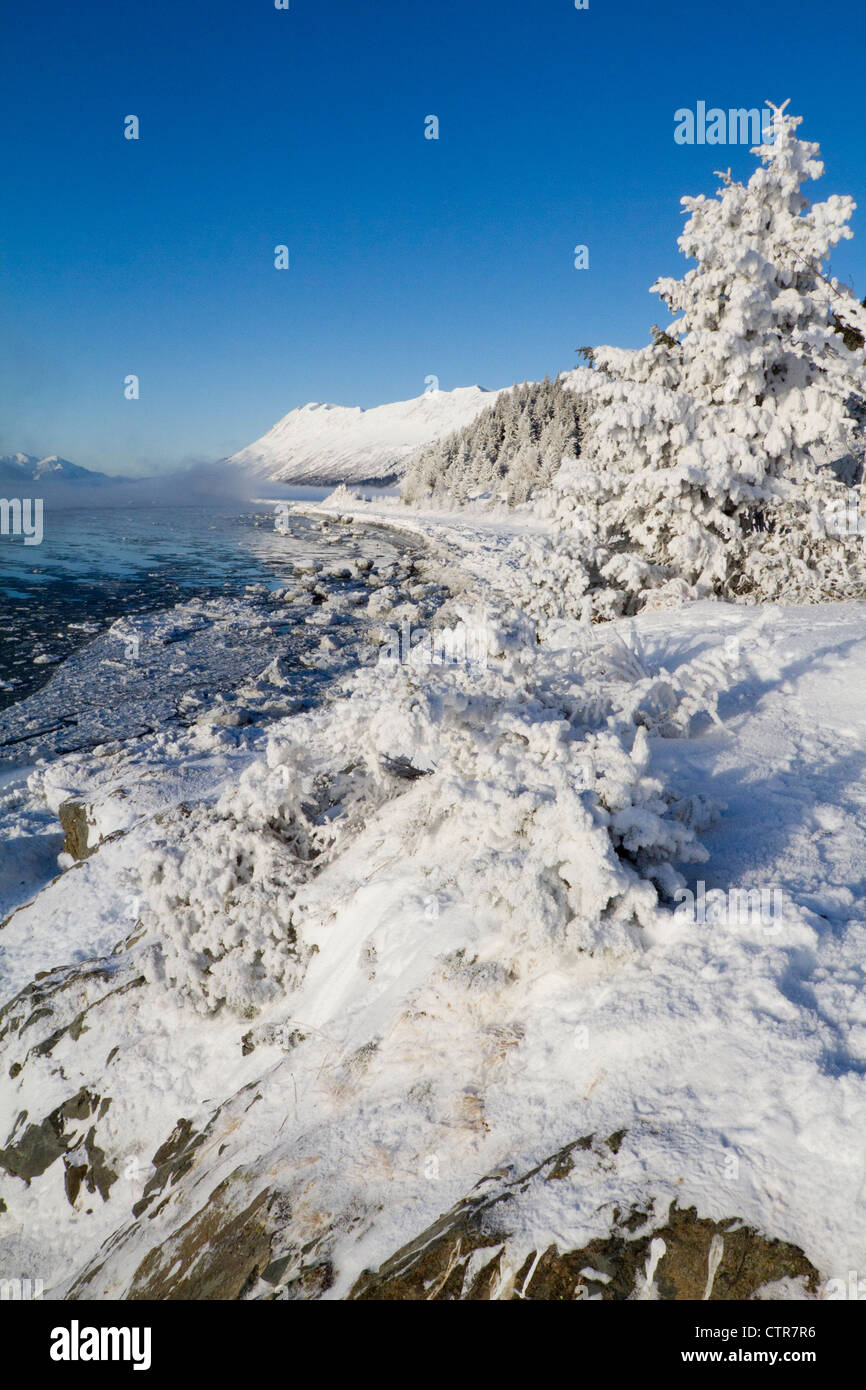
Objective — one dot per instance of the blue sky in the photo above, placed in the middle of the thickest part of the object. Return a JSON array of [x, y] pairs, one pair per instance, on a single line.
[[409, 257]]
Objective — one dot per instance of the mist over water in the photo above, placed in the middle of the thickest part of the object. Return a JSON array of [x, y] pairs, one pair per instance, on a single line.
[[201, 483]]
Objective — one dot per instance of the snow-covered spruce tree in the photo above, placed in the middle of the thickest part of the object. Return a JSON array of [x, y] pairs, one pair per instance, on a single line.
[[719, 459], [510, 452]]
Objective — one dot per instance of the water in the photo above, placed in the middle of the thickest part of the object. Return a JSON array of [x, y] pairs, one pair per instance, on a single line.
[[227, 625], [99, 564], [209, 596]]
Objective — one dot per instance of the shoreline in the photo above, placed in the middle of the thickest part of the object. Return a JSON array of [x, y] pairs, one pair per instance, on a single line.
[[428, 925]]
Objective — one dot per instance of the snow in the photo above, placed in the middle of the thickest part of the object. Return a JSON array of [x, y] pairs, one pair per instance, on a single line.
[[322, 443], [449, 972], [359, 954]]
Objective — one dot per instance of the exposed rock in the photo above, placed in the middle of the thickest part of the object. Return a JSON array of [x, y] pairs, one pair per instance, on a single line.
[[679, 1256], [77, 827], [401, 767], [251, 1239], [57, 1136], [87, 1165], [747, 1261], [217, 1254], [58, 1003], [171, 1160]]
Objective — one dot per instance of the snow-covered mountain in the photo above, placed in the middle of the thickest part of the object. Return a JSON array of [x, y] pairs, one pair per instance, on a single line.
[[336, 443], [21, 469]]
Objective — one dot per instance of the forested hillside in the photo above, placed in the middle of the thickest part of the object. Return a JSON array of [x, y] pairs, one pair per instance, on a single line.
[[511, 451]]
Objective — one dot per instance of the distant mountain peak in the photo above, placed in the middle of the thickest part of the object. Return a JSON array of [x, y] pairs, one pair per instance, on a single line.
[[20, 469]]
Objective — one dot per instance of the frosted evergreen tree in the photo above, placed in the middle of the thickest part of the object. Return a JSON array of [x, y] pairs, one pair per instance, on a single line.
[[716, 459], [513, 449]]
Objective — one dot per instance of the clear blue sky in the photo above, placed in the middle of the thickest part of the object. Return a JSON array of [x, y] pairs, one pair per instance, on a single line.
[[408, 256]]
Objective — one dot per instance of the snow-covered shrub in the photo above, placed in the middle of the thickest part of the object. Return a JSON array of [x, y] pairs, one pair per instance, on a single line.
[[344, 496], [520, 792], [714, 459], [221, 887], [518, 786]]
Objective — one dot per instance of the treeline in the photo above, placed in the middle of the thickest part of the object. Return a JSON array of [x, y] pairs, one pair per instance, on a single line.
[[510, 452]]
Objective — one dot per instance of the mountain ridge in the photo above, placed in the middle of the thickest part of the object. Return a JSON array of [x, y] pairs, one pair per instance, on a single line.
[[322, 442], [30, 468]]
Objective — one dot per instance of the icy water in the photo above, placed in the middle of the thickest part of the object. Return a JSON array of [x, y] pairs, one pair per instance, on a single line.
[[207, 597], [175, 637], [99, 564]]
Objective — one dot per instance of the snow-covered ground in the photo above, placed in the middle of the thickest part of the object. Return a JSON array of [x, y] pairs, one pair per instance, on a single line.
[[323, 443], [342, 966]]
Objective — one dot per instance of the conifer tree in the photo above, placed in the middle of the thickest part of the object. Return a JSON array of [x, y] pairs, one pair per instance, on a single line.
[[715, 460]]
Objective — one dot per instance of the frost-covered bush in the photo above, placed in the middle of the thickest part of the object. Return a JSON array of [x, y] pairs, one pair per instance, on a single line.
[[520, 792], [715, 460], [344, 496], [221, 887]]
